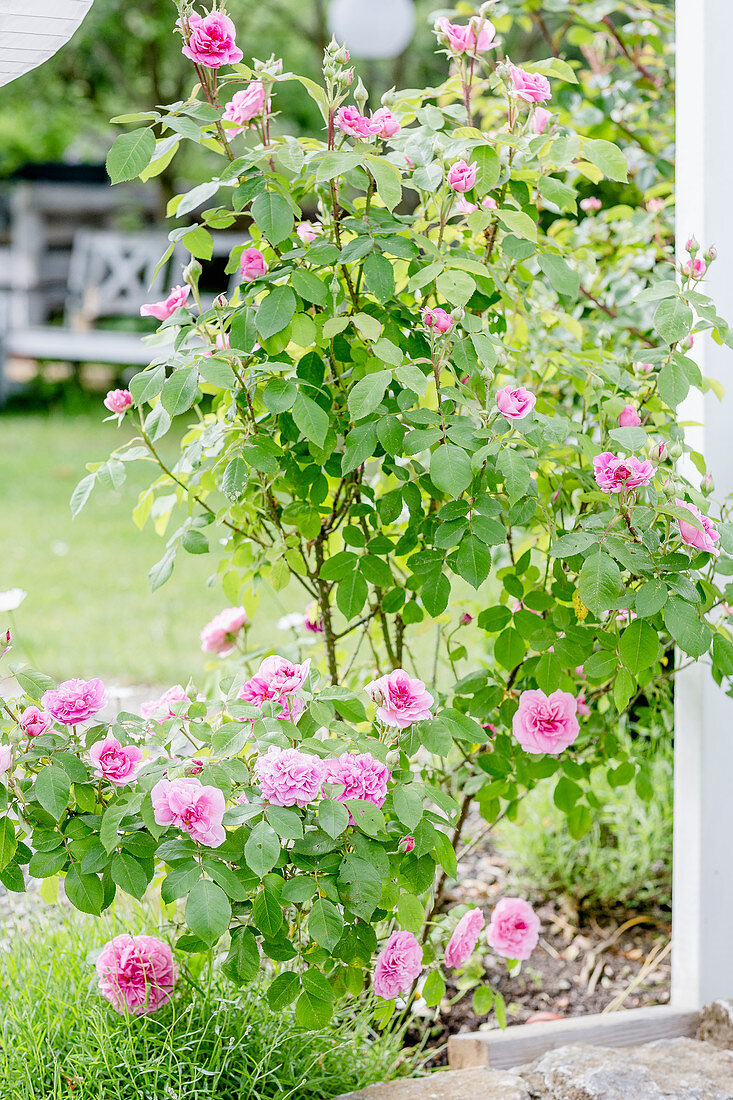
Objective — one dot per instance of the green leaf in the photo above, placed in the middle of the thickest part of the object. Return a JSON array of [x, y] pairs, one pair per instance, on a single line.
[[309, 287], [129, 875], [336, 163], [217, 372], [367, 393], [243, 961], [208, 911], [723, 654], [367, 817], [46, 864], [513, 467], [351, 595], [325, 924], [609, 158], [410, 913], [8, 842], [575, 542], [267, 913], [199, 243], [450, 469], [599, 583], [81, 493], [130, 154], [690, 632], [286, 823], [651, 598], [195, 541], [518, 223], [509, 648], [275, 311], [489, 167], [673, 320], [673, 385], [283, 990], [455, 286], [180, 390], [314, 1006], [360, 444], [33, 683], [147, 385], [624, 687], [52, 790], [109, 830], [333, 817], [379, 276], [311, 419], [387, 178], [274, 218], [409, 805], [562, 277], [85, 892], [235, 478], [473, 560], [230, 738], [434, 989], [638, 646], [262, 849]]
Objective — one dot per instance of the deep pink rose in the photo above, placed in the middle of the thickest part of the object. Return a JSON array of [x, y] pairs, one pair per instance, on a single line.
[[398, 965], [165, 309], [118, 401], [388, 124], [356, 125], [401, 699], [463, 39], [312, 618], [189, 805], [514, 929], [407, 843], [591, 203], [515, 402], [162, 709], [540, 118], [243, 107], [288, 777], [462, 176], [464, 939], [438, 319], [281, 676], [701, 540], [618, 475], [137, 974], [260, 690], [34, 722], [220, 635], [629, 417], [252, 265], [211, 40], [114, 762], [357, 775], [545, 723], [531, 87], [75, 700]]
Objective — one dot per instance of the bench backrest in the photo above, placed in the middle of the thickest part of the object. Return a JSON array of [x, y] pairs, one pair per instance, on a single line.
[[112, 274]]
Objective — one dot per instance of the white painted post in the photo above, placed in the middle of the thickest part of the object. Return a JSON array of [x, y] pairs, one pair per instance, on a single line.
[[702, 915]]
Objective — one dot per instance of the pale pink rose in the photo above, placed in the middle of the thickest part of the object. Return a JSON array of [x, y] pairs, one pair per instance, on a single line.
[[162, 709], [220, 635], [591, 203], [462, 176], [281, 676], [531, 87], [688, 341], [34, 722], [312, 618], [581, 706], [388, 124], [243, 107], [119, 764], [463, 942], [438, 319], [289, 778], [308, 231], [118, 401], [165, 309], [75, 700], [137, 974], [401, 699], [515, 402], [695, 269], [192, 807], [464, 39], [252, 265], [619, 475], [357, 775], [701, 540], [624, 615], [356, 125], [545, 723], [540, 118], [222, 344], [406, 844], [629, 417], [655, 206], [466, 207], [211, 40], [514, 929], [489, 204], [398, 965], [6, 758]]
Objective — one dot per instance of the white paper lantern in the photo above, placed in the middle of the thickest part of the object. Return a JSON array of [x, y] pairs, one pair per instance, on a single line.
[[32, 32], [373, 28]]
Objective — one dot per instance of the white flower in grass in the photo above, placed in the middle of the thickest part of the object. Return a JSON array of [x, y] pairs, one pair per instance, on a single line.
[[11, 599]]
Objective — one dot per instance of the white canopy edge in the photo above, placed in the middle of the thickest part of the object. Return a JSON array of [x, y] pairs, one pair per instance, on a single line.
[[27, 40]]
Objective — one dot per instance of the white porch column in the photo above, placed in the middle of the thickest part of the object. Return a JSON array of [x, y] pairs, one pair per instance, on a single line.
[[702, 921]]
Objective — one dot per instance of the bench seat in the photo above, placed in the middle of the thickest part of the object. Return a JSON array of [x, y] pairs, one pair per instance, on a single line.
[[89, 346]]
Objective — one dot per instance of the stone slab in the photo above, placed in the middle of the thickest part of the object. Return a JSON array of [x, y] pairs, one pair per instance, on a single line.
[[716, 1025], [464, 1084]]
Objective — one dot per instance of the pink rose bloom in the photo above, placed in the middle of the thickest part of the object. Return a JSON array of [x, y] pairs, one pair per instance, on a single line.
[[463, 39], [514, 929], [388, 124], [438, 319], [211, 40], [358, 775], [137, 974], [701, 540], [406, 844], [618, 475], [581, 707], [466, 207], [288, 777], [401, 699], [531, 87], [312, 618], [515, 403], [489, 204], [118, 401], [114, 762], [34, 722], [655, 206], [591, 203], [464, 939], [398, 964], [220, 635], [356, 125], [243, 107], [462, 176], [629, 417], [282, 677], [545, 723], [307, 232], [6, 758], [540, 118], [192, 807], [162, 709], [75, 700], [252, 265], [694, 268], [258, 691], [165, 309]]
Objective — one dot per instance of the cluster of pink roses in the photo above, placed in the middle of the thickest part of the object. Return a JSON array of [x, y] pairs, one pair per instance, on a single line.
[[288, 777], [275, 681], [382, 123], [478, 36]]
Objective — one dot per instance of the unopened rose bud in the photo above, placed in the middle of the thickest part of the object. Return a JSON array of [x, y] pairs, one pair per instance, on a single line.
[[674, 451], [6, 643], [196, 766], [661, 451], [361, 95], [669, 491], [333, 47], [388, 99], [466, 619], [221, 302], [192, 273], [345, 78], [393, 758], [711, 254], [342, 56], [438, 148], [488, 375], [707, 485], [329, 70], [688, 341], [407, 843], [692, 245]]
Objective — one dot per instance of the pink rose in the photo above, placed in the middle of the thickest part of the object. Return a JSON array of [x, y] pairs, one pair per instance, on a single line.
[[259, 691], [581, 707], [540, 118], [137, 974], [466, 207], [701, 540], [191, 807], [162, 709], [388, 124], [406, 844], [118, 401], [618, 475], [695, 269], [282, 677], [34, 722], [75, 700], [463, 39], [466, 618], [655, 206], [462, 176], [438, 319], [357, 775], [165, 309], [252, 265], [530, 87], [401, 699], [211, 40], [489, 204], [356, 125], [243, 107], [6, 758], [312, 618], [464, 939], [629, 417], [514, 929], [288, 777], [114, 762], [545, 723], [515, 403], [307, 232], [398, 965], [591, 203], [220, 635]]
